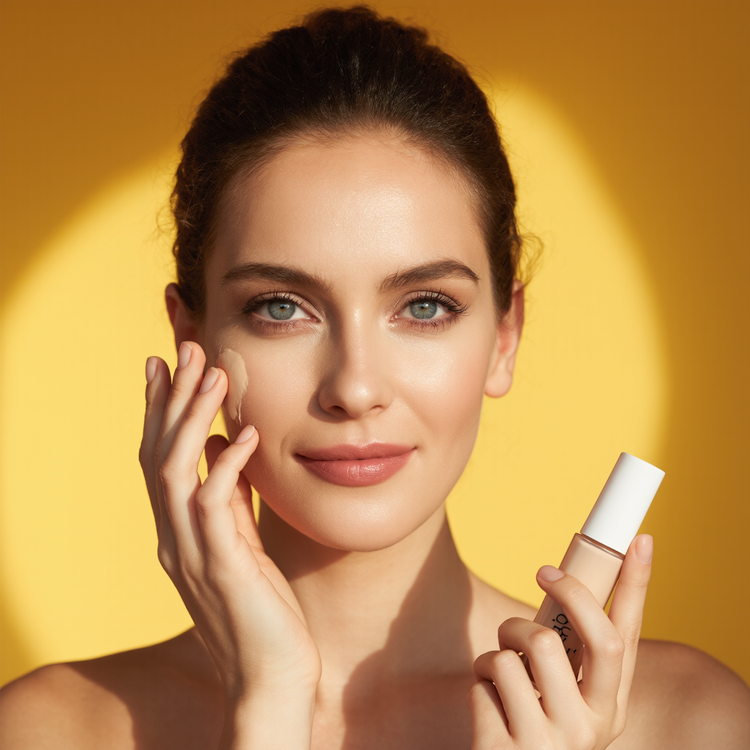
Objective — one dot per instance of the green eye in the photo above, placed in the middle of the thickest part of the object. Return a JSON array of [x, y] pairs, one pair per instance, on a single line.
[[281, 310], [423, 309]]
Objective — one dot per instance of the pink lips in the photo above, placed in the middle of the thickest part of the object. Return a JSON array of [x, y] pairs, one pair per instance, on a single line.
[[356, 465]]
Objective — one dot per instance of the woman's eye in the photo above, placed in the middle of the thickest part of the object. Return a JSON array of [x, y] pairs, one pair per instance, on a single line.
[[280, 309], [423, 309]]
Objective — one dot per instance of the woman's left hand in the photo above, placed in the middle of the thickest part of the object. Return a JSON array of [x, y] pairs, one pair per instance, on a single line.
[[506, 711]]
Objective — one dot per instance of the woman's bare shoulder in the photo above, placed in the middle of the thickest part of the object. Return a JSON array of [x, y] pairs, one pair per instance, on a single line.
[[46, 708], [489, 608], [684, 698], [143, 698]]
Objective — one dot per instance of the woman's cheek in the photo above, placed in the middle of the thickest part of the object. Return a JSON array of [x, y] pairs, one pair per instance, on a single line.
[[453, 378], [458, 418], [276, 398]]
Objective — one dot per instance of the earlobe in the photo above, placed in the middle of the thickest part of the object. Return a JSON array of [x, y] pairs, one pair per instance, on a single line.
[[182, 322], [507, 339]]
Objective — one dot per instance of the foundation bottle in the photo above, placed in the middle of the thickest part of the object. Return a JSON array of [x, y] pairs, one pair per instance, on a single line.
[[595, 556]]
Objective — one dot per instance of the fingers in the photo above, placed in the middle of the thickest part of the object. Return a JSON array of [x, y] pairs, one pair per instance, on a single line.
[[178, 419], [193, 402], [180, 459], [521, 713], [213, 502], [488, 720], [549, 663], [166, 401], [242, 497], [604, 650], [185, 384], [626, 612], [157, 392]]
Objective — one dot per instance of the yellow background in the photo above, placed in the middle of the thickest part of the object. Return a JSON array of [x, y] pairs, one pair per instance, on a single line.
[[627, 126]]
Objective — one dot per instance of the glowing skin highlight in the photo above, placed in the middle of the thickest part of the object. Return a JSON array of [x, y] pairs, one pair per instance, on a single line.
[[234, 366]]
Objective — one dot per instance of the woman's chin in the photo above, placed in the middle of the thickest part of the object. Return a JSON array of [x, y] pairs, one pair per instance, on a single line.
[[352, 524]]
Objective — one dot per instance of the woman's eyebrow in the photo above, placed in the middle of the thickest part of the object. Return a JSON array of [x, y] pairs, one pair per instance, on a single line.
[[436, 269], [272, 272], [431, 271]]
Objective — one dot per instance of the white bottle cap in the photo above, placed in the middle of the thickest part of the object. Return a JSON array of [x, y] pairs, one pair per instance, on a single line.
[[617, 515]]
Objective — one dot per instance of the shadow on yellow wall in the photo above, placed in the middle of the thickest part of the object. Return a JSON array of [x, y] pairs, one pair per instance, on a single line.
[[654, 96]]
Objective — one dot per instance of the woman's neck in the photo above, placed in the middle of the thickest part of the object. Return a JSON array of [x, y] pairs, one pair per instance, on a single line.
[[379, 616]]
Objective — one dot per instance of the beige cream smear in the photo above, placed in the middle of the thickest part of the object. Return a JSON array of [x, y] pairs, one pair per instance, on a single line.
[[234, 366]]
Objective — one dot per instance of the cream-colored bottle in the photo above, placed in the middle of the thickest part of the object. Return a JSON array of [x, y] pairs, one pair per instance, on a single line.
[[595, 555]]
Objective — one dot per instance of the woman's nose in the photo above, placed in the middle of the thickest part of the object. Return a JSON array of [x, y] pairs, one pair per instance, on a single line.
[[356, 371]]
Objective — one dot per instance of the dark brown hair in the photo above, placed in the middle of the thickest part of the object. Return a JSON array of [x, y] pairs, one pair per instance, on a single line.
[[341, 71]]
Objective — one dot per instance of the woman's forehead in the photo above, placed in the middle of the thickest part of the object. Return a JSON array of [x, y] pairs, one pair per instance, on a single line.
[[358, 202]]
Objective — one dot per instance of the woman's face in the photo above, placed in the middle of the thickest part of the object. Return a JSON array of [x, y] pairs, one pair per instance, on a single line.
[[349, 299]]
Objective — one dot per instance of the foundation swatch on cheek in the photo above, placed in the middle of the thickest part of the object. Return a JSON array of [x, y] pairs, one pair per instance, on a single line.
[[234, 366]]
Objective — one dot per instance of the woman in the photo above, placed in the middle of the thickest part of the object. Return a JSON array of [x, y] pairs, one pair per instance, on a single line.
[[347, 265]]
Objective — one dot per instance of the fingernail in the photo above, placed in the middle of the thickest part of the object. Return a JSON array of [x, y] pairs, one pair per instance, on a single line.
[[209, 379], [184, 356], [548, 573], [644, 549], [150, 369], [245, 434]]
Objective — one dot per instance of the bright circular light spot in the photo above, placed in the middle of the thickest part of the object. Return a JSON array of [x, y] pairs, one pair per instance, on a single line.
[[77, 542]]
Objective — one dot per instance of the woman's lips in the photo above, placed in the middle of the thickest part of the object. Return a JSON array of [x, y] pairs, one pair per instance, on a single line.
[[356, 472]]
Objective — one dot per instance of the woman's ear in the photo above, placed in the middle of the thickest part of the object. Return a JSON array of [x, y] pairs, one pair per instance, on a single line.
[[507, 338], [184, 327]]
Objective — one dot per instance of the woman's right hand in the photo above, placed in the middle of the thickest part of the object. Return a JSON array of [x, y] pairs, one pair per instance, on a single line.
[[509, 714], [209, 544]]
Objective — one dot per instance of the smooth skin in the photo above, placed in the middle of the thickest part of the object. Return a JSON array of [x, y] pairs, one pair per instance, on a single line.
[[345, 618]]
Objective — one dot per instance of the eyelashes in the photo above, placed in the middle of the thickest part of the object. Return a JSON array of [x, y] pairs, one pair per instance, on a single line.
[[453, 308], [283, 301], [286, 303]]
